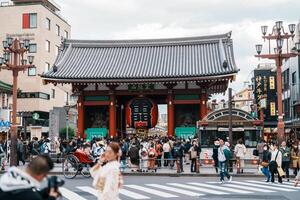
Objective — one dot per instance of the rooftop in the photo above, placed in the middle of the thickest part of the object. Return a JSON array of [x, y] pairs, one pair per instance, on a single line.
[[144, 60]]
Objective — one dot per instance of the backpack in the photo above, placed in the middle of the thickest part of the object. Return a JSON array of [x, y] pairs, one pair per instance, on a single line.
[[227, 153]]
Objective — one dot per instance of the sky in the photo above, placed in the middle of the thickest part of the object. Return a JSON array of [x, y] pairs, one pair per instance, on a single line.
[[137, 19]]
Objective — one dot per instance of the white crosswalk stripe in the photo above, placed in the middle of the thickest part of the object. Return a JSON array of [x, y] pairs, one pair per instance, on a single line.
[[181, 190], [151, 191], [264, 186], [68, 194], [177, 190], [283, 185], [197, 188]]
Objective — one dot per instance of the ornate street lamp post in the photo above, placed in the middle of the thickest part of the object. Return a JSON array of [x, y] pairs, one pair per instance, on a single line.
[[13, 59], [279, 35]]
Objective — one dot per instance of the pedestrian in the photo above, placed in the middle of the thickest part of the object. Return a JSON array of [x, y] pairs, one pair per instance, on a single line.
[[286, 158], [295, 155], [152, 155], [240, 153], [2, 156], [224, 156], [177, 153], [167, 152], [187, 156], [215, 154], [194, 153], [159, 151], [143, 154], [275, 163], [266, 158], [123, 156], [107, 175], [133, 154], [20, 152], [18, 184]]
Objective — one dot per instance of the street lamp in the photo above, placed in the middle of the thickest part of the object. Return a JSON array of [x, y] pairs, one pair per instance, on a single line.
[[278, 34], [13, 60]]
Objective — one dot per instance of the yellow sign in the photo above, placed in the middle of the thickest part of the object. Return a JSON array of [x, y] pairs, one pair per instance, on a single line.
[[272, 82], [272, 109]]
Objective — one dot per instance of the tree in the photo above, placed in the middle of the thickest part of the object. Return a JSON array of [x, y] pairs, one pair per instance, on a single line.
[[63, 132]]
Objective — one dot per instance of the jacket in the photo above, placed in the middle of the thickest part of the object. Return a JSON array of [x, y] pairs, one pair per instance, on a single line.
[[286, 153], [18, 185], [295, 157]]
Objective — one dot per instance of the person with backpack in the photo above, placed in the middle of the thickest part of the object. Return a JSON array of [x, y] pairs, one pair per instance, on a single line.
[[133, 154], [177, 152], [275, 163], [224, 155]]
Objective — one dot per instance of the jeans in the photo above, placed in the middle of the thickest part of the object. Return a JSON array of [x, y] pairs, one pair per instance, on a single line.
[[123, 165], [166, 157], [193, 165], [285, 166], [223, 170], [266, 172]]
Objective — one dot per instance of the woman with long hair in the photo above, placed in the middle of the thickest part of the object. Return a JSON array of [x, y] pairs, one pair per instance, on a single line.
[[107, 175]]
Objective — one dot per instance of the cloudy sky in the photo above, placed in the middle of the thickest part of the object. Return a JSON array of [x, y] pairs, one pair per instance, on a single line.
[[128, 19]]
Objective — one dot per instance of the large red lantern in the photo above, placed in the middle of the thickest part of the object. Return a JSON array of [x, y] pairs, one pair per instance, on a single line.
[[141, 112]]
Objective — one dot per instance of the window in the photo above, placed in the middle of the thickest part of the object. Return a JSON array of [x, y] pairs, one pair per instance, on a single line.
[[294, 78], [47, 45], [48, 24], [57, 30], [56, 50], [47, 67], [29, 20], [32, 48], [31, 71], [66, 35], [52, 93]]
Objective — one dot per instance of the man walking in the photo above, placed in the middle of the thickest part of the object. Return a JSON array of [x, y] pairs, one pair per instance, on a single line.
[[224, 155], [286, 158]]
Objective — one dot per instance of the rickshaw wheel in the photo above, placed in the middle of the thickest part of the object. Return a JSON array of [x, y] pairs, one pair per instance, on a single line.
[[70, 167]]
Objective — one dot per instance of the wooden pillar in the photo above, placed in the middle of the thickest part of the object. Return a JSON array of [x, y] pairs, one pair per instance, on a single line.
[[112, 115], [203, 106], [171, 125], [80, 120]]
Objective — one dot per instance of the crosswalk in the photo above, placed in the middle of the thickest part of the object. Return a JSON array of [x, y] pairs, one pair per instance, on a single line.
[[181, 190]]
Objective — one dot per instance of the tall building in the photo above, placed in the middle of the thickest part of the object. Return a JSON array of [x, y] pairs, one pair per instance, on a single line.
[[41, 22], [291, 90]]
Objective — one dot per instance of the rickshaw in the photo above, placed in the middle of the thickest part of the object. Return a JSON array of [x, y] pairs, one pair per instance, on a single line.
[[78, 162]]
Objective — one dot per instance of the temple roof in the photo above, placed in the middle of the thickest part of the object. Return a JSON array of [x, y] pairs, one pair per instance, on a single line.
[[4, 87], [143, 60]]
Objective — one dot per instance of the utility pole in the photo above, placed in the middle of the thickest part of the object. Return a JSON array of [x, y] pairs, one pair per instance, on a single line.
[[230, 114]]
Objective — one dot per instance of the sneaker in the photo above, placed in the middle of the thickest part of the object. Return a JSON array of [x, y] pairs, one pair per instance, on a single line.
[[222, 182], [230, 179]]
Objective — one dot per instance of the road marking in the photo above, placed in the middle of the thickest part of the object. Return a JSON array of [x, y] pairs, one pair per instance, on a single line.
[[177, 190], [133, 194], [222, 188], [248, 188], [68, 194], [274, 184], [90, 190], [151, 191], [263, 186], [197, 188]]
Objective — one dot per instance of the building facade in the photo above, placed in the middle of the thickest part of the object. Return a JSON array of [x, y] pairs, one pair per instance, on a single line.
[[120, 83], [40, 22]]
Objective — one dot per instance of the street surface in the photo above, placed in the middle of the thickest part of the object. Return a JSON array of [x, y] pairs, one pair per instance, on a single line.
[[158, 187]]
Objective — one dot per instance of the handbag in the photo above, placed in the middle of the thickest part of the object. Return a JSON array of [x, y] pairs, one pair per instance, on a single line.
[[193, 154], [264, 164], [280, 171]]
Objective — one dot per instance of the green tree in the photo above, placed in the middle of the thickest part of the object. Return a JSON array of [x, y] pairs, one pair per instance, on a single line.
[[63, 132]]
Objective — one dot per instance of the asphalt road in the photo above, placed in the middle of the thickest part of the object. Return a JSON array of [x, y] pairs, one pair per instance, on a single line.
[[183, 188]]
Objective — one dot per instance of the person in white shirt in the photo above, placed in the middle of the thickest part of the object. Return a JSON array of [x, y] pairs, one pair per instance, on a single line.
[[223, 161], [166, 150], [275, 157], [240, 152]]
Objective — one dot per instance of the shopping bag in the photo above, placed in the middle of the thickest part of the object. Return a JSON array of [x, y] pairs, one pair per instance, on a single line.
[[280, 172]]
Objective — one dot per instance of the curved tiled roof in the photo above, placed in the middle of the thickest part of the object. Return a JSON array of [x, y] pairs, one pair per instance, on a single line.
[[164, 59]]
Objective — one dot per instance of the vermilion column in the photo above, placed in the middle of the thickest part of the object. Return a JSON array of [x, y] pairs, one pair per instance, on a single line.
[[112, 115], [80, 120], [170, 115], [203, 106]]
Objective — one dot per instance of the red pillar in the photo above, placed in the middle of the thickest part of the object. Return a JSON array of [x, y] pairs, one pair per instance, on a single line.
[[80, 120], [170, 103], [112, 115], [203, 106]]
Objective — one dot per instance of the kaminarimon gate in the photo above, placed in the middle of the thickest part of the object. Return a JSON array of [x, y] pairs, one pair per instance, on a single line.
[[119, 83]]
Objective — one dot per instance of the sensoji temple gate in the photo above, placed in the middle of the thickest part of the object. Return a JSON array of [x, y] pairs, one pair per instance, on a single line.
[[120, 82]]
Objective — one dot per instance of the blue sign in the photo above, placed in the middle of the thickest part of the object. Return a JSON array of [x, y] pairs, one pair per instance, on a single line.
[[5, 124]]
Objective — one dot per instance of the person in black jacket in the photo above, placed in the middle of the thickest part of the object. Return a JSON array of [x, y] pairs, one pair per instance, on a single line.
[[266, 157], [177, 152], [215, 154], [17, 184]]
